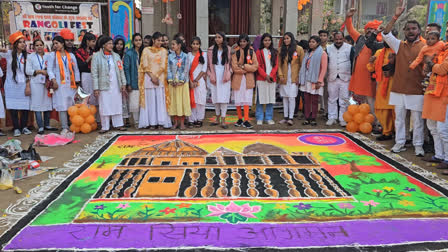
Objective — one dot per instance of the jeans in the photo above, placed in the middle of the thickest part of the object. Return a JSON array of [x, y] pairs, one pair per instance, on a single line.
[[15, 118], [45, 122], [260, 114]]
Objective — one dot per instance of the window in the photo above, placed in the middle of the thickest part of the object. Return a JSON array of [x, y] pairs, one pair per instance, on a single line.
[[165, 163], [302, 159], [124, 161], [169, 180], [230, 160], [153, 179], [211, 160], [277, 159], [143, 161], [251, 160], [185, 163], [196, 163], [133, 161]]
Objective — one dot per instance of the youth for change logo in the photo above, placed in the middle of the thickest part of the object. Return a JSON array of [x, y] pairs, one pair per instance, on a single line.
[[321, 140]]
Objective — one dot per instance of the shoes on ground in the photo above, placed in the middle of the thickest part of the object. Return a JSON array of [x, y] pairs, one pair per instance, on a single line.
[[26, 131], [384, 138], [247, 125], [419, 152], [398, 148], [271, 122], [259, 122], [239, 123], [17, 133], [432, 159], [331, 122]]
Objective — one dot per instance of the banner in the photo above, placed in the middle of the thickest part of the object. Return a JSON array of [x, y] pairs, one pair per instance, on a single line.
[[45, 20], [121, 20], [437, 14]]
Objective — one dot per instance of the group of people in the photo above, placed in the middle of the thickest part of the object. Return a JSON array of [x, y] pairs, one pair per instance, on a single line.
[[162, 84]]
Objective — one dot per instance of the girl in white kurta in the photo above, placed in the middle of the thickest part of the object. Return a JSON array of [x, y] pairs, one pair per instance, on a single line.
[[198, 74], [63, 72], [153, 86], [16, 82], [219, 75], [109, 82], [36, 67]]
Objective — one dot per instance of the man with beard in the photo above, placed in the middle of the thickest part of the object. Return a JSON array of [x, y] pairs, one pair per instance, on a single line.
[[407, 91], [382, 65], [69, 38], [361, 83], [340, 55]]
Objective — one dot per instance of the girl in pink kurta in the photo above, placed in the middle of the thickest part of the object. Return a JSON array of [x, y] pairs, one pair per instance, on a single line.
[[311, 78]]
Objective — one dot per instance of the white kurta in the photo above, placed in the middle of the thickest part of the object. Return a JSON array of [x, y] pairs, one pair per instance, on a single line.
[[154, 113], [266, 91], [2, 107], [220, 91], [15, 88], [87, 85], [243, 96], [64, 96], [110, 101], [200, 92], [307, 88], [39, 93], [289, 89]]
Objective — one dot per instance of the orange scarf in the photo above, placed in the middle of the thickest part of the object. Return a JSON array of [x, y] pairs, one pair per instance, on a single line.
[[62, 70], [379, 71], [437, 82], [194, 64]]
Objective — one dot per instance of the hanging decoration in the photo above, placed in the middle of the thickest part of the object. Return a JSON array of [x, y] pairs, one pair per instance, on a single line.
[[167, 19], [179, 15]]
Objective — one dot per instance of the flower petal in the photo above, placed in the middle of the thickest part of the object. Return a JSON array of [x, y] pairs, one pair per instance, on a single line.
[[256, 209], [248, 215], [232, 208]]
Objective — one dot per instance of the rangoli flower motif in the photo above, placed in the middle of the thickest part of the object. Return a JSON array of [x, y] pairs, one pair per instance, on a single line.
[[183, 205], [123, 206], [370, 203], [281, 206], [388, 188], [409, 189], [405, 194], [302, 206], [99, 207], [406, 203], [234, 213], [168, 210], [377, 190]]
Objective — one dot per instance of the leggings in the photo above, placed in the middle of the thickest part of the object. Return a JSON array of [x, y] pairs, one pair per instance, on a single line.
[[289, 104], [15, 118], [221, 109], [64, 119], [311, 106]]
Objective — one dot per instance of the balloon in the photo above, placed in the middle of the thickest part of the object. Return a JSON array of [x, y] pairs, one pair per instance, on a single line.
[[74, 128], [84, 111], [72, 111], [358, 118], [347, 116], [90, 119], [352, 127], [369, 118], [353, 109], [86, 128], [364, 108], [94, 126], [365, 128], [92, 109], [78, 120]]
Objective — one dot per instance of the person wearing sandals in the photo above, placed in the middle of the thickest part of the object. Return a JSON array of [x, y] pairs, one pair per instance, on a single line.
[[109, 82], [266, 80], [131, 64], [40, 98], [153, 85], [198, 88], [16, 83], [291, 56], [179, 88], [244, 66], [311, 78], [219, 75]]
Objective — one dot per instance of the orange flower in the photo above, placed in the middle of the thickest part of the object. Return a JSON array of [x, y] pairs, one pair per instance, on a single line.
[[183, 205]]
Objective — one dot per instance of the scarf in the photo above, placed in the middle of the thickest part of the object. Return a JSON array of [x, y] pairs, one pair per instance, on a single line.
[[309, 72], [83, 55], [379, 71], [438, 82], [62, 70], [194, 64]]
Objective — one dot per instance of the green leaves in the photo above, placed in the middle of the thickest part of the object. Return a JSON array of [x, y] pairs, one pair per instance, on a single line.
[[233, 218], [348, 157]]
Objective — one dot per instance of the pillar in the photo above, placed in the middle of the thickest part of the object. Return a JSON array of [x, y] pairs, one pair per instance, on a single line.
[[202, 22], [148, 19], [291, 16], [317, 10], [255, 16]]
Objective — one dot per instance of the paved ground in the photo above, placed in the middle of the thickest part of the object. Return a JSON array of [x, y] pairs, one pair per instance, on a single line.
[[65, 153]]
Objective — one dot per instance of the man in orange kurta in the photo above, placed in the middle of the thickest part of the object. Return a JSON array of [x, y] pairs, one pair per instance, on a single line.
[[361, 83], [435, 108]]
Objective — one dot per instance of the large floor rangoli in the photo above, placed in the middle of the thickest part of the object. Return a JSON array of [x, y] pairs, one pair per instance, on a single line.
[[298, 190]]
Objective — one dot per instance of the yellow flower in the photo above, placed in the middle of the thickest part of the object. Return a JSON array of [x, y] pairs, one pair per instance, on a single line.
[[147, 206], [388, 188], [405, 194], [406, 203], [281, 206]]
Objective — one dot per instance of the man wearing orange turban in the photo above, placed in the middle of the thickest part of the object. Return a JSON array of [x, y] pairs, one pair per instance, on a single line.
[[361, 83], [69, 38]]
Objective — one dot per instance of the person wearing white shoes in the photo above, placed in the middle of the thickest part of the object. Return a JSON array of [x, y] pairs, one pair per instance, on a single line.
[[266, 80], [340, 57], [17, 85], [36, 67], [407, 90]]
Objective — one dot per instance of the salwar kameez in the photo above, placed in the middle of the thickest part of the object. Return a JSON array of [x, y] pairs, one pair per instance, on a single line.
[[200, 92], [221, 91]]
